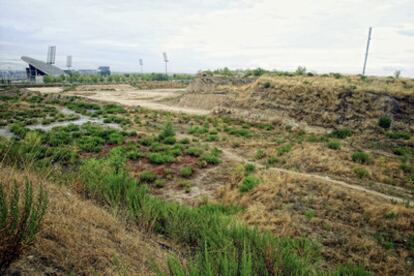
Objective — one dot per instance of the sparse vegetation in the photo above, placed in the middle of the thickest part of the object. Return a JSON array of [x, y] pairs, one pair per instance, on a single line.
[[248, 183], [341, 133], [335, 145], [232, 177], [20, 221], [385, 122], [360, 157]]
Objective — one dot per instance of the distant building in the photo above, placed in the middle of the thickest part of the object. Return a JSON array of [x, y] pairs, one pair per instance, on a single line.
[[104, 71], [37, 69], [87, 72]]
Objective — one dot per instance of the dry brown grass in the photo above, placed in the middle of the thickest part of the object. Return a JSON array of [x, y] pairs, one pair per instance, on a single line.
[[345, 222], [400, 87], [79, 237]]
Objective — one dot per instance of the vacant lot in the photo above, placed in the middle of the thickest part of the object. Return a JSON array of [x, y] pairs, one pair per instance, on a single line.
[[333, 199]]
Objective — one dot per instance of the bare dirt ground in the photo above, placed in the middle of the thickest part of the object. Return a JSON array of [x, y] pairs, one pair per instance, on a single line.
[[128, 96]]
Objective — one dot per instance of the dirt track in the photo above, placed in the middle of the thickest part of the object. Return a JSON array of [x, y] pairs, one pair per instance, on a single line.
[[151, 99]]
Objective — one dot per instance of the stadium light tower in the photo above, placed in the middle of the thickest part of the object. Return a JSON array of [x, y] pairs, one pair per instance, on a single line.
[[141, 64], [69, 62], [366, 51], [51, 55], [166, 61]]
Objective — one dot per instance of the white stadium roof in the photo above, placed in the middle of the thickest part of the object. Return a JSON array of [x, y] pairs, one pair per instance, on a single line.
[[46, 68]]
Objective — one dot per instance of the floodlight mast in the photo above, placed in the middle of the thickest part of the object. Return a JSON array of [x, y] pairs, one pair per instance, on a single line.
[[51, 55], [69, 62], [366, 51], [141, 64], [166, 61]]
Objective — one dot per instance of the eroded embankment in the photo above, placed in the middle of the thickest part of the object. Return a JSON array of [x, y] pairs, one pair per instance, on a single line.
[[317, 101]]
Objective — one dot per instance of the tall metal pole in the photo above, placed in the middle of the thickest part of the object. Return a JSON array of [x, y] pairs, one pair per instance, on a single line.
[[166, 70], [366, 51]]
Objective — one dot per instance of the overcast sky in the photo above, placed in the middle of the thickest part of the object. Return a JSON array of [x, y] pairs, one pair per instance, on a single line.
[[323, 35]]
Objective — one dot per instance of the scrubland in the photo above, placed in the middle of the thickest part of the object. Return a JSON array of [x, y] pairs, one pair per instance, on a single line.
[[155, 192]]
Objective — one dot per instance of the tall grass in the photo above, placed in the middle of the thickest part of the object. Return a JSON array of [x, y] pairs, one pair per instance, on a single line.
[[19, 221], [216, 243]]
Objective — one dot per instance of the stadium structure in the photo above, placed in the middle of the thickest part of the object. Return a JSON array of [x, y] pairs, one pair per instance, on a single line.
[[38, 69]]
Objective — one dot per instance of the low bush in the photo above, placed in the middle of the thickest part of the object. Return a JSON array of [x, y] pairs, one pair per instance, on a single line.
[[167, 131], [184, 141], [335, 145], [160, 158], [398, 135], [212, 138], [360, 157], [385, 122], [186, 171], [194, 151], [147, 176], [284, 149], [20, 221], [249, 168], [212, 157], [260, 154], [116, 138], [402, 151], [361, 172], [90, 143], [248, 183], [272, 160], [240, 132], [169, 140], [341, 133]]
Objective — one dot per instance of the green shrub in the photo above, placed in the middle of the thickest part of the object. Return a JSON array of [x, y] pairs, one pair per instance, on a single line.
[[19, 130], [186, 171], [184, 141], [116, 138], [159, 183], [249, 168], [399, 135], [146, 141], [212, 138], [19, 222], [212, 157], [361, 172], [341, 133], [266, 85], [160, 158], [385, 122], [106, 181], [167, 131], [272, 160], [170, 140], [194, 151], [309, 214], [360, 157], [197, 130], [133, 154], [284, 149], [248, 183], [402, 151], [260, 154], [335, 145], [90, 143], [240, 132], [147, 176]]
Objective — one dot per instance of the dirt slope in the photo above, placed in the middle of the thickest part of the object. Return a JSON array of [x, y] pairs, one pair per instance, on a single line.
[[79, 237], [318, 101]]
